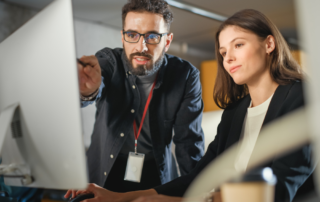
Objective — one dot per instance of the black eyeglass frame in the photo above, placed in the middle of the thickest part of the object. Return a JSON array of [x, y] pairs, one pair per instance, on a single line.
[[144, 38]]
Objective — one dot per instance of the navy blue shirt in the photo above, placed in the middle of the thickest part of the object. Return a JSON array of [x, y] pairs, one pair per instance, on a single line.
[[176, 106]]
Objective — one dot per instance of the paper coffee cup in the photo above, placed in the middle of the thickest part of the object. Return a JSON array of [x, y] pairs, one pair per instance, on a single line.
[[255, 186]]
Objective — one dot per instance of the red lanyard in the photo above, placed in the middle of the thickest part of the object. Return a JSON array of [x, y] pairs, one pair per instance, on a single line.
[[136, 135]]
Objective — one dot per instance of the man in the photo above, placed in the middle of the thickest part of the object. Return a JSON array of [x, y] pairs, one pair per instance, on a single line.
[[142, 95]]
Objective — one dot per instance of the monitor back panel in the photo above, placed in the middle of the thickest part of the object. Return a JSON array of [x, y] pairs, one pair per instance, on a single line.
[[38, 70]]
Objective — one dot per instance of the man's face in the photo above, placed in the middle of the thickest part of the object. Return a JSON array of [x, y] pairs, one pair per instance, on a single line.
[[144, 57]]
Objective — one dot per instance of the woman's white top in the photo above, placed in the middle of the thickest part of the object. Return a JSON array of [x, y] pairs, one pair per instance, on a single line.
[[251, 128]]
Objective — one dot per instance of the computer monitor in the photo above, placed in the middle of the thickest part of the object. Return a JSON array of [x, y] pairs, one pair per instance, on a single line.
[[39, 88]]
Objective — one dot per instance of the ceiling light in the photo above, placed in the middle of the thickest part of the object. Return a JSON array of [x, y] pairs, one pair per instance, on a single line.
[[196, 10]]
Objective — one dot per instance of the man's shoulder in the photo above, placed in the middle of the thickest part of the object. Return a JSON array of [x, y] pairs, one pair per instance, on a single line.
[[112, 51], [179, 64], [109, 58], [110, 54]]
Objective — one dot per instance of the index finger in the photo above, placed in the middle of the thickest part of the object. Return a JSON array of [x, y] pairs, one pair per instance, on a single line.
[[68, 193], [81, 63], [93, 188]]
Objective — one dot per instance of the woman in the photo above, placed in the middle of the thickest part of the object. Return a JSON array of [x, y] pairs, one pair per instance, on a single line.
[[257, 82]]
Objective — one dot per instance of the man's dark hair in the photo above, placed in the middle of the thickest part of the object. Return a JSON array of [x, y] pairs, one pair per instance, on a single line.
[[153, 6]]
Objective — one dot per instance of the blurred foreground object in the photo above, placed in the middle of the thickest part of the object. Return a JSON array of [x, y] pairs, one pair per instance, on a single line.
[[258, 185], [286, 134], [309, 32]]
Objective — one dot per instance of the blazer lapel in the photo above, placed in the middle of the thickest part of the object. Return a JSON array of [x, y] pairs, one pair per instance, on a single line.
[[237, 123], [276, 102]]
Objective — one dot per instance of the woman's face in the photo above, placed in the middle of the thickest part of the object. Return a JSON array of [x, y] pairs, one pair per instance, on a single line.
[[244, 55]]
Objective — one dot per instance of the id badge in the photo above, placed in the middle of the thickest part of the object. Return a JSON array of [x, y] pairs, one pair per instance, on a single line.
[[134, 167]]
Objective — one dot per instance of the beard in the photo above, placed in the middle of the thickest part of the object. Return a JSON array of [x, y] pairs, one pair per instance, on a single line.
[[143, 70]]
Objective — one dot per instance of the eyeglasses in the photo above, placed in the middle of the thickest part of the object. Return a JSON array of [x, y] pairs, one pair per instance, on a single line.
[[149, 38]]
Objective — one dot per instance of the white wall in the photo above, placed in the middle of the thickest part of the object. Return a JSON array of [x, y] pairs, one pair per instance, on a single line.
[[91, 37], [12, 17], [210, 122]]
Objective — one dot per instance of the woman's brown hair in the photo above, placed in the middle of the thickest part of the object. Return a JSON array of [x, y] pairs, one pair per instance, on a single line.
[[283, 68]]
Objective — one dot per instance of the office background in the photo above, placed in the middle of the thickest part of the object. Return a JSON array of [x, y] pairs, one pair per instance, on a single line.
[[98, 24]]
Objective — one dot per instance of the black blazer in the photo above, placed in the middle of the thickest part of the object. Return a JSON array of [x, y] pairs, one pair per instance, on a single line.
[[291, 170]]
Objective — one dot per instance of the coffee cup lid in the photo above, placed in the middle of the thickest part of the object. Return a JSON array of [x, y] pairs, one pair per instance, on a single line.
[[258, 175]]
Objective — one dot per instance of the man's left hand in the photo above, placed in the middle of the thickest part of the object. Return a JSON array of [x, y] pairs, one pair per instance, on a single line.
[[100, 194]]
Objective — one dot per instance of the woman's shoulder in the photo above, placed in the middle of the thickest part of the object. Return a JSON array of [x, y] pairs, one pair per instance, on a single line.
[[289, 97], [292, 91], [296, 87]]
